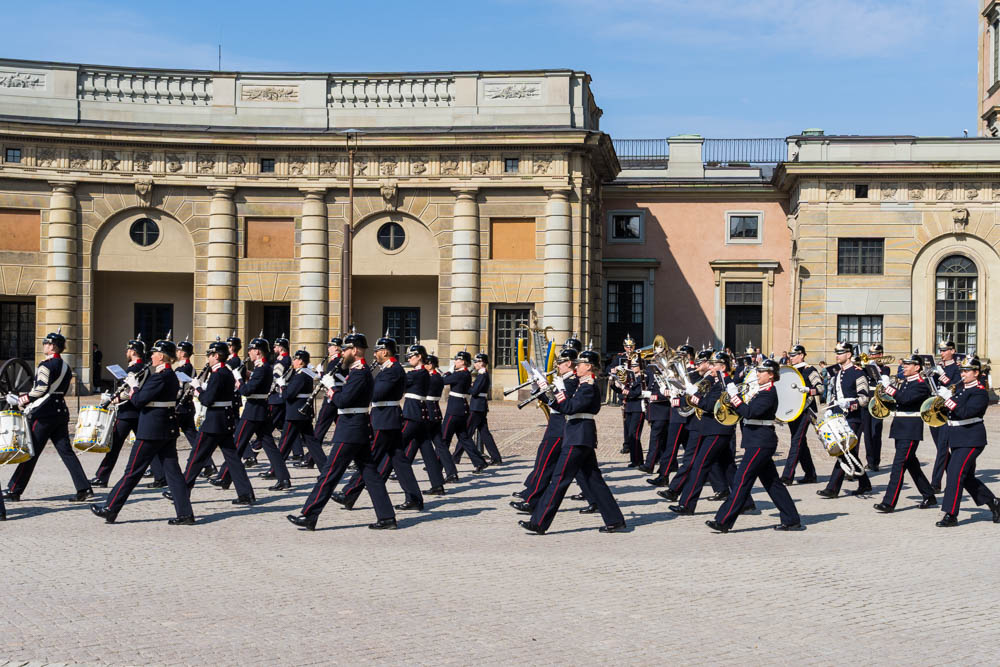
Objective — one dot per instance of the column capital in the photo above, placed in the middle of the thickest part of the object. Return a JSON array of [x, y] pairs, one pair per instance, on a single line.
[[314, 193], [222, 191], [466, 192], [561, 191], [64, 187]]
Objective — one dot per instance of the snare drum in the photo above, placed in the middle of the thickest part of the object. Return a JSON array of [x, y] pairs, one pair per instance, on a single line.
[[837, 436], [15, 438], [94, 428]]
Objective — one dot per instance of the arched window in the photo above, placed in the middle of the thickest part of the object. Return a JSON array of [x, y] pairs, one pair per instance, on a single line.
[[956, 283]]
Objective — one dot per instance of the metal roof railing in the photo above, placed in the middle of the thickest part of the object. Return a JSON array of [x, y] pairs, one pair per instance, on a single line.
[[654, 153], [642, 153]]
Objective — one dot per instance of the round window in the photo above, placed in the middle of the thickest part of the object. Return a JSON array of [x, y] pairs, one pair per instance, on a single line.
[[391, 236], [144, 232]]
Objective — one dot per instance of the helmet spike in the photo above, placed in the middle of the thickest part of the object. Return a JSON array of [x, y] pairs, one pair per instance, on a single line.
[[170, 335]]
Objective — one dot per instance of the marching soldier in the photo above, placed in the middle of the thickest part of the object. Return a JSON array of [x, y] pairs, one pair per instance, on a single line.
[[216, 394], [387, 423], [281, 368], [434, 434], [657, 411], [328, 411], [948, 375], [849, 393], [48, 419], [967, 439], [633, 401], [479, 397], [351, 442], [255, 420], [156, 438], [457, 411], [701, 370], [127, 417], [871, 427], [678, 429], [907, 430], [416, 418], [578, 453], [759, 444], [185, 408], [798, 451], [622, 358]]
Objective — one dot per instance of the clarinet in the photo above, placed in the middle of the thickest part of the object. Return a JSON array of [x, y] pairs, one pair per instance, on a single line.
[[188, 390], [120, 394]]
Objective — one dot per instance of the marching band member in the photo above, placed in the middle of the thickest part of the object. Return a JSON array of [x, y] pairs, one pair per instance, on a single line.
[[157, 434], [578, 453], [622, 358], [255, 420], [948, 375], [127, 417], [701, 369], [387, 425], [185, 408], [216, 394], [633, 400], [849, 393], [281, 368], [479, 396], [48, 419], [907, 430], [966, 439], [416, 419], [871, 427], [328, 411], [457, 411], [759, 444], [798, 450], [657, 411], [351, 442], [434, 435], [678, 433]]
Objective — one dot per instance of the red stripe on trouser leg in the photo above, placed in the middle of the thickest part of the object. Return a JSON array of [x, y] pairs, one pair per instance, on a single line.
[[959, 481], [538, 477], [561, 473], [194, 454], [131, 468], [733, 496], [698, 474], [902, 470], [326, 478]]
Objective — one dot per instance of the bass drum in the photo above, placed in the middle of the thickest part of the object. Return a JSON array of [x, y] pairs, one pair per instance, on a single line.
[[793, 394]]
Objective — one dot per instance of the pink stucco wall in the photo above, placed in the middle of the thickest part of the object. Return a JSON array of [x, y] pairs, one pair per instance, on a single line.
[[685, 235]]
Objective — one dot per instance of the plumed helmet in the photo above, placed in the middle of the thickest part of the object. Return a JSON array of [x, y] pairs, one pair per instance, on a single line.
[[137, 345], [573, 343], [336, 340], [771, 366], [592, 357], [355, 339], [260, 343], [165, 346], [799, 349], [218, 347], [56, 339], [386, 342], [302, 354], [482, 357], [464, 356], [843, 347], [282, 341], [235, 341], [416, 350]]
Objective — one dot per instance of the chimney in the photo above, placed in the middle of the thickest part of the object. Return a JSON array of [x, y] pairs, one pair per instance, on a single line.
[[685, 156]]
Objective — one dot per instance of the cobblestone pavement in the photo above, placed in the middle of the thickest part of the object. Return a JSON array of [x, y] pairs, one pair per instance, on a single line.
[[461, 584]]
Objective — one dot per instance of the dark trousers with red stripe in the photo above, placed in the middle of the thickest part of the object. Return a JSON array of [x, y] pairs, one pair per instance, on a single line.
[[658, 431], [202, 452], [757, 463], [393, 458], [684, 471], [455, 425], [942, 456], [326, 418], [434, 442], [245, 431], [122, 428], [677, 437], [185, 422], [798, 451], [714, 450], [43, 430], [905, 461], [415, 439], [143, 452], [294, 430], [962, 475], [541, 474], [365, 455], [477, 422], [872, 430], [837, 476], [576, 462], [633, 437]]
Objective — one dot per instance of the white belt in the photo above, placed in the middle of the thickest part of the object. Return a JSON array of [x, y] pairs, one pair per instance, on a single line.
[[964, 422], [580, 415], [385, 404], [458, 395], [907, 414], [161, 404], [482, 396], [303, 395], [759, 422], [258, 397], [353, 411], [432, 398], [221, 404], [415, 397]]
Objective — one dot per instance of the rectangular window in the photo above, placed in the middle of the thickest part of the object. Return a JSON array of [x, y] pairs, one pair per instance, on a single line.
[[20, 230], [743, 227], [626, 305], [861, 191], [512, 239], [511, 165], [276, 320], [17, 330], [744, 294], [267, 165], [862, 331], [626, 227], [269, 238], [153, 320], [860, 256], [508, 329], [403, 324], [13, 155]]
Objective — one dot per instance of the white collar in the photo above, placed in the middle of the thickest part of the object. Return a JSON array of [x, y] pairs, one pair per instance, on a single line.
[[568, 374], [912, 378], [801, 364], [766, 385]]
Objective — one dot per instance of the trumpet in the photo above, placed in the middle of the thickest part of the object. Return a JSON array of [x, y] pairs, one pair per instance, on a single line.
[[865, 359]]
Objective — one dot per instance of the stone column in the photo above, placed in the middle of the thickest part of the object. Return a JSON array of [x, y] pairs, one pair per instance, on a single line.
[[313, 273], [465, 272], [558, 311], [220, 290], [60, 278]]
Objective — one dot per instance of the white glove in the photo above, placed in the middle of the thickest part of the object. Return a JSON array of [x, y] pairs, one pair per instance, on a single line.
[[196, 383], [885, 381], [482, 370], [937, 370], [732, 390], [327, 381], [844, 403], [339, 377], [12, 400], [647, 394], [280, 381], [943, 393], [541, 384], [690, 389], [559, 383], [131, 381]]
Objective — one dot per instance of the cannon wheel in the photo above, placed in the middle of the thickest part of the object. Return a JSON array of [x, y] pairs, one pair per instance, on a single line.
[[15, 377]]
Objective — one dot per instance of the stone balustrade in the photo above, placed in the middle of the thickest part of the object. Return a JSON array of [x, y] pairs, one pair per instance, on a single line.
[[149, 87], [391, 92]]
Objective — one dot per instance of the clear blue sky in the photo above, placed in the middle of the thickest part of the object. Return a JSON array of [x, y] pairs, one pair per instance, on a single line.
[[735, 68]]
